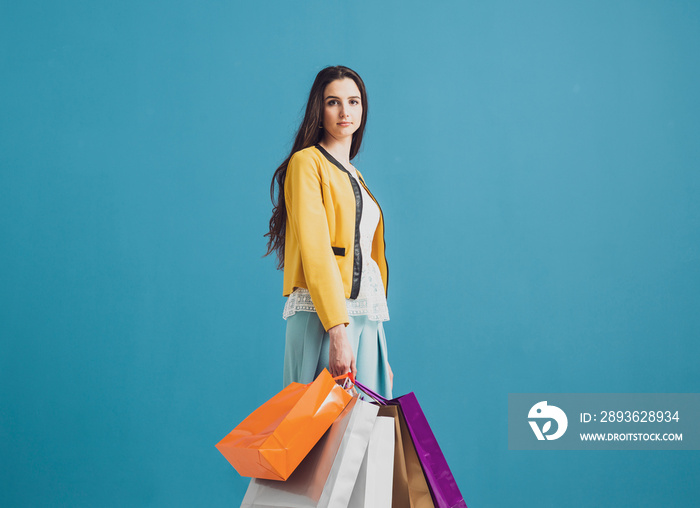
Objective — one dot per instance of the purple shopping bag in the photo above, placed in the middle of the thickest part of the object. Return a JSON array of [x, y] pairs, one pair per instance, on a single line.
[[442, 484]]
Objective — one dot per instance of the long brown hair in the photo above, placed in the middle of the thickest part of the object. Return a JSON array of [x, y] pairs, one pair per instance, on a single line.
[[309, 133]]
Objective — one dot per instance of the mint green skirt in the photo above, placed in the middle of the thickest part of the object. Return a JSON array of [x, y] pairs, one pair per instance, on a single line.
[[307, 348]]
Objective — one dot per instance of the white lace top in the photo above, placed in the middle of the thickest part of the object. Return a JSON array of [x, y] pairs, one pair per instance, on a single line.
[[371, 299]]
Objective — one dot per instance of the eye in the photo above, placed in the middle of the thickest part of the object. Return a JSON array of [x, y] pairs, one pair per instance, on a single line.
[[354, 102], [332, 102]]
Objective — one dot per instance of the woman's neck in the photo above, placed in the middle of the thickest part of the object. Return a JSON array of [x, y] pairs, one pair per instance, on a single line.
[[339, 149]]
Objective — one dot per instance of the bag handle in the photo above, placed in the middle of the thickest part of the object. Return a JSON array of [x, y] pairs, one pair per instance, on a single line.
[[355, 383], [347, 375], [381, 400]]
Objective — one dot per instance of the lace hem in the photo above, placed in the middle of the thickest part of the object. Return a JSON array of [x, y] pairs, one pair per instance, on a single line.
[[374, 308]]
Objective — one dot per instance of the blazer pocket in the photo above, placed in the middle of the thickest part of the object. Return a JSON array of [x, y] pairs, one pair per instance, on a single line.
[[338, 251]]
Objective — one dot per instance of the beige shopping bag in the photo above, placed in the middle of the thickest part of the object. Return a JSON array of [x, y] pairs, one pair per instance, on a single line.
[[410, 489]]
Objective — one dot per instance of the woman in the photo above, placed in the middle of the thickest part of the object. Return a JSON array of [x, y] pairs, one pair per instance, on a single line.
[[328, 232]]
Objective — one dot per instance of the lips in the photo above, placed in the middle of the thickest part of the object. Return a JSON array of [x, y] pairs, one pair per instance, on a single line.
[[345, 124]]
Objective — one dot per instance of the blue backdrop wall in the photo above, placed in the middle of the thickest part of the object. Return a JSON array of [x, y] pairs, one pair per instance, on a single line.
[[537, 163]]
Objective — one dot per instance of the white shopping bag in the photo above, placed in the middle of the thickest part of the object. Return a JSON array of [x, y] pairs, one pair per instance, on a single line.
[[375, 480], [327, 475]]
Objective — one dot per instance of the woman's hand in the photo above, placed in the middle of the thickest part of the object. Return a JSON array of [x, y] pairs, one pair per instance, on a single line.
[[341, 358], [391, 375]]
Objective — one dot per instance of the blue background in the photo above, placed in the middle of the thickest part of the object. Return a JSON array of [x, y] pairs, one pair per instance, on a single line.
[[537, 163]]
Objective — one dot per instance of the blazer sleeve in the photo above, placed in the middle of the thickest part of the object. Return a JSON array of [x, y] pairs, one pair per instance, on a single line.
[[303, 190]]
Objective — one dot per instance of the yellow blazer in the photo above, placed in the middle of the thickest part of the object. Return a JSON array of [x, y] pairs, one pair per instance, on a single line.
[[322, 243]]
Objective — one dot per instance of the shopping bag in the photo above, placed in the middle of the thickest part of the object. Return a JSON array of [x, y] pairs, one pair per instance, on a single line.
[[443, 486], [373, 487], [326, 477], [410, 489], [275, 438]]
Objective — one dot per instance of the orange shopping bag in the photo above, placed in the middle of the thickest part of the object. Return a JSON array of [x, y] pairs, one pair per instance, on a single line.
[[276, 437]]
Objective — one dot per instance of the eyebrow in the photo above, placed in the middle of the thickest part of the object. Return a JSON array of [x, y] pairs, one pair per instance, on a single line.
[[334, 97]]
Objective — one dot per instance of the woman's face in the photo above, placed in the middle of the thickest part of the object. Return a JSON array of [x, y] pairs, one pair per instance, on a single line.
[[342, 108]]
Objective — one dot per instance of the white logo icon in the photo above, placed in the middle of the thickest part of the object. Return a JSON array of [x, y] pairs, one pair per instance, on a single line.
[[542, 411]]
